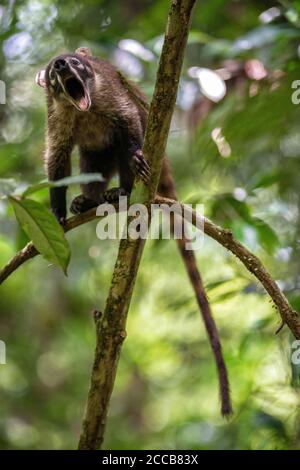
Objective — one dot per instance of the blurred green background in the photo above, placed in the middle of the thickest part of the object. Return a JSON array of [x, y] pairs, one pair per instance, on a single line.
[[234, 146]]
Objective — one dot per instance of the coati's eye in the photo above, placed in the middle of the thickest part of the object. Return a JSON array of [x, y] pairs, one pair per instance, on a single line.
[[75, 62]]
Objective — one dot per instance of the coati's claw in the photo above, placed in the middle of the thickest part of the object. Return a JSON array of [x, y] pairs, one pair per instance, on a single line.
[[141, 167], [82, 204], [113, 194]]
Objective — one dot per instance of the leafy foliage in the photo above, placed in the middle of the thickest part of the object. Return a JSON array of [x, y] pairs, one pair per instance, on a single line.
[[43, 229]]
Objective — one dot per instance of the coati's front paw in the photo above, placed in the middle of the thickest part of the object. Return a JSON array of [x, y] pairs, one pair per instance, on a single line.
[[82, 204], [141, 167], [59, 215], [112, 195]]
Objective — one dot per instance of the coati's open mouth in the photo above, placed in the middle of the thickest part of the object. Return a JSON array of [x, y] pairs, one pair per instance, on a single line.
[[77, 93]]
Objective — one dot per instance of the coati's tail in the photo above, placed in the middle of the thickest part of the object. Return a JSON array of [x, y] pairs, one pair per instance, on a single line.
[[189, 260], [166, 188]]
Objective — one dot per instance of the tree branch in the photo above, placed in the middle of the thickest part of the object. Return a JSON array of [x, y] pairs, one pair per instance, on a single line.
[[111, 328], [222, 236]]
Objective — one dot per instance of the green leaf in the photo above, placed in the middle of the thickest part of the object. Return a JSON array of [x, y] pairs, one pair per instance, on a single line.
[[43, 229], [84, 178], [21, 238], [34, 188]]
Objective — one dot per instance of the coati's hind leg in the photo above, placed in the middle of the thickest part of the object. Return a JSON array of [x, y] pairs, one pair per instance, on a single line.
[[105, 162], [136, 165], [99, 161]]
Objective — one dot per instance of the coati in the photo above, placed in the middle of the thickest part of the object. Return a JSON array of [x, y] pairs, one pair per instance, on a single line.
[[92, 106]]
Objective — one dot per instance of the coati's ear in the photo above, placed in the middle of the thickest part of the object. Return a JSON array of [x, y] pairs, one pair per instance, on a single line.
[[40, 78], [84, 51]]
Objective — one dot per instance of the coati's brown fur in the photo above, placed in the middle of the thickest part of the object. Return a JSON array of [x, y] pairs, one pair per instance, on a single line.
[[91, 105]]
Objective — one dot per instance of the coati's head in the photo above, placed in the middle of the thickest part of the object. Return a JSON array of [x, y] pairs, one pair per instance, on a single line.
[[69, 77]]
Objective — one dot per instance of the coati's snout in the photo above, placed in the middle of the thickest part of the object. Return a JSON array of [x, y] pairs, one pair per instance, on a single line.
[[69, 77]]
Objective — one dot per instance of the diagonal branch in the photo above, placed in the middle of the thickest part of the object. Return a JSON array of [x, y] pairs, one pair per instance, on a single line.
[[222, 236]]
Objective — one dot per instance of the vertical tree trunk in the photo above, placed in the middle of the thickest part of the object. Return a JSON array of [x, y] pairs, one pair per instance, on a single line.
[[111, 325]]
